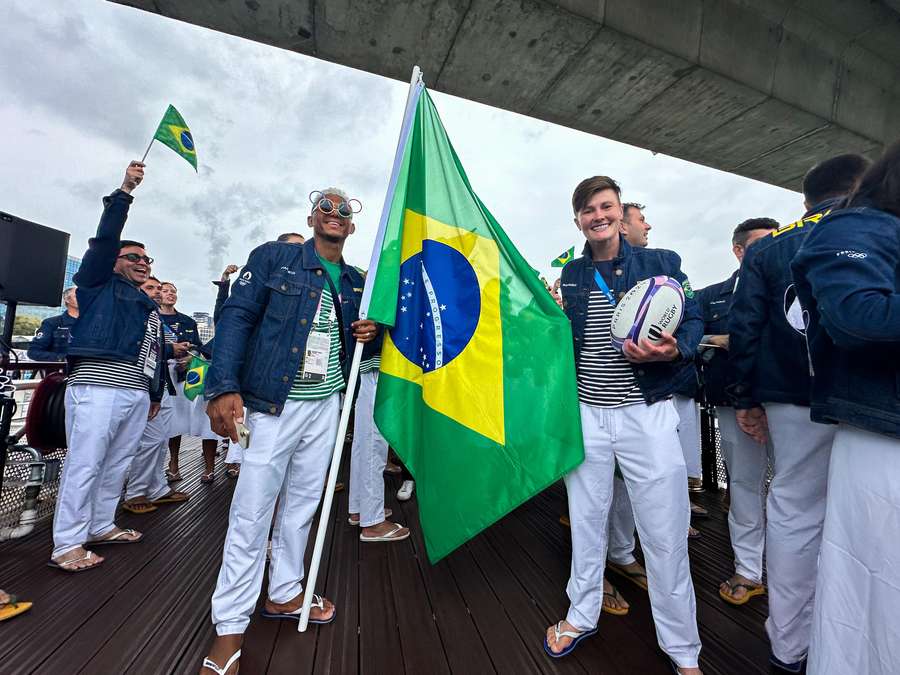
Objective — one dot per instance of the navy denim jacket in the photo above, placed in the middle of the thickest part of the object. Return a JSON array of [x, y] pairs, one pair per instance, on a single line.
[[768, 360], [263, 326], [715, 303], [51, 341], [848, 279], [656, 380], [112, 311]]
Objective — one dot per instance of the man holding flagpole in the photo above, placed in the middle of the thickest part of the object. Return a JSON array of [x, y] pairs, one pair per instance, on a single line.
[[283, 342]]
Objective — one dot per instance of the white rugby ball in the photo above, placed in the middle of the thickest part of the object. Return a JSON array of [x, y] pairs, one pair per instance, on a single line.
[[652, 307]]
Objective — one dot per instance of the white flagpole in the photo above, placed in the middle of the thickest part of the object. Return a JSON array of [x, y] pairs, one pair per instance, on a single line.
[[415, 87]]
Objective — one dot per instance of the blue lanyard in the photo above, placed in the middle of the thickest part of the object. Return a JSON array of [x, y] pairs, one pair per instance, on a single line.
[[601, 284]]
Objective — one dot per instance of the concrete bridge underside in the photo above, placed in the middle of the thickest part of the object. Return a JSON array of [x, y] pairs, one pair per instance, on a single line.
[[761, 88]]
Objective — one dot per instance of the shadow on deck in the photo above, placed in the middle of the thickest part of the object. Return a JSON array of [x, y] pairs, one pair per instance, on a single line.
[[482, 610]]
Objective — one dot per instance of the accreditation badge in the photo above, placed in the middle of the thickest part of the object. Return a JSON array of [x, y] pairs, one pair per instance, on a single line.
[[315, 360]]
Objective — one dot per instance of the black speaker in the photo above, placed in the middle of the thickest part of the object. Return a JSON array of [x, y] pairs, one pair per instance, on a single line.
[[32, 262]]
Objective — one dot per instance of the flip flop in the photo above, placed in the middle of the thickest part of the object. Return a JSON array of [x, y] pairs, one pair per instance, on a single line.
[[389, 536], [173, 477], [576, 638], [318, 602], [13, 608], [213, 666], [615, 611], [138, 508], [639, 579], [74, 570], [387, 514], [208, 477], [233, 472], [174, 497], [693, 533], [698, 511], [117, 538], [752, 591]]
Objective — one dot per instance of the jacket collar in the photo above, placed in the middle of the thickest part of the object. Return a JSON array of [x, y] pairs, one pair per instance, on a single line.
[[624, 251], [825, 205], [729, 283], [311, 258]]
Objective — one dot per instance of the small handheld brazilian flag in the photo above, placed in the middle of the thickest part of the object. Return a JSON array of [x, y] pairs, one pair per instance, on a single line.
[[195, 378], [173, 132], [563, 258]]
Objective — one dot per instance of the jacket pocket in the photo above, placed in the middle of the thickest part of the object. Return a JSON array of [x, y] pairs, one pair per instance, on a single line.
[[285, 298]]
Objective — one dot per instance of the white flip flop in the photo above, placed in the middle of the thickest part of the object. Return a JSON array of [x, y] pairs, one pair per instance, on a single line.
[[389, 536]]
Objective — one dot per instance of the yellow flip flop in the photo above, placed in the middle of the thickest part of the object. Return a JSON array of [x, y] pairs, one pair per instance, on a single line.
[[752, 591], [12, 608], [615, 611]]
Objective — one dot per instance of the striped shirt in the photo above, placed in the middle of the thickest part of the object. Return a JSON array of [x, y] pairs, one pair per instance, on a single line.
[[370, 364], [605, 377], [120, 374], [326, 322]]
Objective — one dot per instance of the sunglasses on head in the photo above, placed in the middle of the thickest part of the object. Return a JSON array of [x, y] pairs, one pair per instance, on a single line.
[[134, 257], [327, 206]]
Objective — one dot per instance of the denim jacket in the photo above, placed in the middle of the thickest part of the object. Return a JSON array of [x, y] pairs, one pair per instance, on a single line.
[[657, 380], [51, 341], [848, 279], [263, 326], [112, 311], [715, 303], [767, 357]]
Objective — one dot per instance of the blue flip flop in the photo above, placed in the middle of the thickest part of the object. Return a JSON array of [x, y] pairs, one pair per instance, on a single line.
[[577, 637]]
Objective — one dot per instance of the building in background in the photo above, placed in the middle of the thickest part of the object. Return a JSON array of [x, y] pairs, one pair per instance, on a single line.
[[204, 326]]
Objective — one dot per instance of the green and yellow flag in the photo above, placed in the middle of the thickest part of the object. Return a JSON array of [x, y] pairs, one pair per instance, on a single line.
[[174, 132], [477, 390], [195, 378], [563, 258]]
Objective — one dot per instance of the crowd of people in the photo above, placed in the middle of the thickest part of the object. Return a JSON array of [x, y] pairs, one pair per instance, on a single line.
[[796, 350]]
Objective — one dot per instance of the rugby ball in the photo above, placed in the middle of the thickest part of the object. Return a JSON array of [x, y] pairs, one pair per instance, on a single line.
[[652, 307]]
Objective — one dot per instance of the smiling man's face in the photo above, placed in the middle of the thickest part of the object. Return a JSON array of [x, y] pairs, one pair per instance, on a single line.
[[331, 226], [136, 271], [599, 219]]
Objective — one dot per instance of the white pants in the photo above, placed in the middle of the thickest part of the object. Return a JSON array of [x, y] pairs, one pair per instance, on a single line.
[[621, 526], [689, 433], [103, 429], [368, 457], [644, 441], [182, 408], [747, 462], [855, 621], [147, 476], [200, 424], [795, 513], [287, 459]]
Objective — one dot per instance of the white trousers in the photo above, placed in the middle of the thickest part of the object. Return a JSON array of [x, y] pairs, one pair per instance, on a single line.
[[689, 433], [747, 463], [287, 460], [200, 424], [621, 526], [182, 408], [147, 477], [368, 456], [235, 452], [103, 429], [644, 441], [856, 628], [795, 513]]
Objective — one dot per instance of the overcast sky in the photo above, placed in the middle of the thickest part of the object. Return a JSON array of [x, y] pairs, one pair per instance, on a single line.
[[85, 82]]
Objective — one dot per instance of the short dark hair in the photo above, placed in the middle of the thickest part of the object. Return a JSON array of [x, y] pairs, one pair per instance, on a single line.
[[742, 232], [153, 278], [130, 242], [880, 185], [168, 283], [287, 235], [589, 187], [835, 177], [632, 205]]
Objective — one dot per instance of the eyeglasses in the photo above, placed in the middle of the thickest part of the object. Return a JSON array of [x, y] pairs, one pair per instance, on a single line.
[[134, 257], [327, 206]]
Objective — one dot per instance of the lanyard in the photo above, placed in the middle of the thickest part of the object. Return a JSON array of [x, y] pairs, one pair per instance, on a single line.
[[601, 284]]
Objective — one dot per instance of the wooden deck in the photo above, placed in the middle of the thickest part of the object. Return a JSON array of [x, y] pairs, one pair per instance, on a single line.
[[482, 610]]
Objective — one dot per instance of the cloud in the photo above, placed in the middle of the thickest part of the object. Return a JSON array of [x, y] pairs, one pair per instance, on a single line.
[[86, 84]]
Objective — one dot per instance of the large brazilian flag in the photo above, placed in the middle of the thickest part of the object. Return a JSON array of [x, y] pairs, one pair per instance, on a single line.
[[477, 389]]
